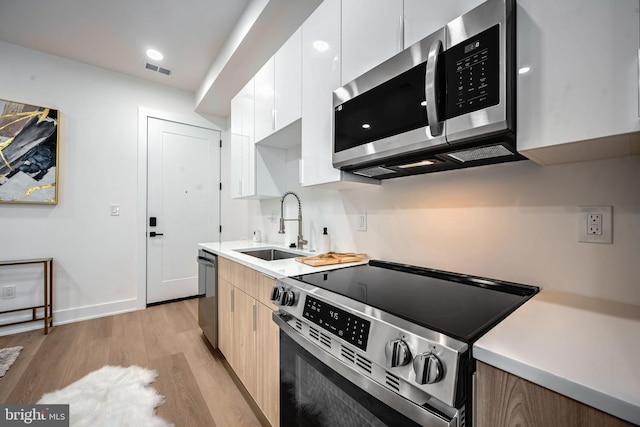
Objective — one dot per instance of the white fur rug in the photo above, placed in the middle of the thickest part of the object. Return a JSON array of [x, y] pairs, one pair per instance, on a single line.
[[7, 357], [112, 396]]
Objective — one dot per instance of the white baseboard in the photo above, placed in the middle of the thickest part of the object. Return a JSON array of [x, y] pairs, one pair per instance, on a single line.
[[77, 314]]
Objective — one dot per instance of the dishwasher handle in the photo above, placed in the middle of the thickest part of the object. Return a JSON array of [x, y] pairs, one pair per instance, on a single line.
[[209, 261], [203, 260]]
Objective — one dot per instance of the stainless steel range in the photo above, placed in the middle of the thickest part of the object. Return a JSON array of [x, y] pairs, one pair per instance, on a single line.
[[384, 344]]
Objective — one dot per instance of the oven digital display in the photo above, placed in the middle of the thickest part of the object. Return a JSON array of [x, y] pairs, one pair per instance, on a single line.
[[342, 324]]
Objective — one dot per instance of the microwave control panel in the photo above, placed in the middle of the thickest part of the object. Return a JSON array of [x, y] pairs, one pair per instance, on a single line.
[[472, 73]]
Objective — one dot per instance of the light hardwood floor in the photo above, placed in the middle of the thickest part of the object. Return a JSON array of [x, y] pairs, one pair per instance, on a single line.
[[198, 385]]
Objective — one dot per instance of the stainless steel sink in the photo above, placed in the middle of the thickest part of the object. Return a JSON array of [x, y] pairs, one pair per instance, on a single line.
[[269, 254]]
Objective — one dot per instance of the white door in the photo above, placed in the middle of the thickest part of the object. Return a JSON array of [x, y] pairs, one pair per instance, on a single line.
[[183, 199]]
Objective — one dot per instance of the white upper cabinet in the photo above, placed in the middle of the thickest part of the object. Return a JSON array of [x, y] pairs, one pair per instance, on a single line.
[[242, 137], [288, 85], [256, 171], [279, 96], [581, 79], [423, 17], [320, 77], [264, 100], [371, 33]]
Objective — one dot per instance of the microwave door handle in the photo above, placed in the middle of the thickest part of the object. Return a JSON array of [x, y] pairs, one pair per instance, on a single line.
[[435, 125]]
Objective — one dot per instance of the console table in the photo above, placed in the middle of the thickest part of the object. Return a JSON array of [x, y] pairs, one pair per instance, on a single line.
[[47, 280]]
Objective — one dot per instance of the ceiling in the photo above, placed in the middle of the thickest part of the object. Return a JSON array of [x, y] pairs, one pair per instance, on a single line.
[[212, 47]]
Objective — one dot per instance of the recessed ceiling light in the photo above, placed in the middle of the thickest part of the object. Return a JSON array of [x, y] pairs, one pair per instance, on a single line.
[[320, 45], [366, 126], [154, 54], [524, 70]]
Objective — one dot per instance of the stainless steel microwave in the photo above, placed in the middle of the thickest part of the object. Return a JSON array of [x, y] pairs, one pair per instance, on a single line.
[[446, 102]]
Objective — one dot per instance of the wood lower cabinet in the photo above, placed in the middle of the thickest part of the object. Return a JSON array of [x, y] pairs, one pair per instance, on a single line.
[[505, 400], [244, 335], [268, 352], [225, 315], [248, 337]]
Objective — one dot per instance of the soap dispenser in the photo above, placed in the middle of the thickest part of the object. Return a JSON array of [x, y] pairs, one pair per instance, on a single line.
[[325, 241]]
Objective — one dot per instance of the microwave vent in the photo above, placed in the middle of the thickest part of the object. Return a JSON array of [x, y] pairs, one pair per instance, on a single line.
[[480, 153], [374, 171]]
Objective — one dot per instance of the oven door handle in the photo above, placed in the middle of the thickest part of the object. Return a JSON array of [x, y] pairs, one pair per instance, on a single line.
[[420, 414]]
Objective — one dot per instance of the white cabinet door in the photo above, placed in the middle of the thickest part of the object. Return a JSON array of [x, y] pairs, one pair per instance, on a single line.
[[288, 86], [371, 33], [320, 77], [423, 17], [582, 78], [236, 146], [256, 171], [278, 91], [248, 161], [264, 100], [242, 159]]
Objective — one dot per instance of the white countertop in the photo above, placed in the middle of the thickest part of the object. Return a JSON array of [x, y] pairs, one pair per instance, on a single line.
[[585, 348], [278, 268]]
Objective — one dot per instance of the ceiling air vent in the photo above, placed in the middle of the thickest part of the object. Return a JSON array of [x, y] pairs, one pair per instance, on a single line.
[[157, 68]]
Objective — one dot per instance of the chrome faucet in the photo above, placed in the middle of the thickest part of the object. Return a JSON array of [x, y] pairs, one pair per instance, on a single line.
[[301, 241]]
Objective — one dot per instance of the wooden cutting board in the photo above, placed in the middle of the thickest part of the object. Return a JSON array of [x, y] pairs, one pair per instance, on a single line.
[[331, 258]]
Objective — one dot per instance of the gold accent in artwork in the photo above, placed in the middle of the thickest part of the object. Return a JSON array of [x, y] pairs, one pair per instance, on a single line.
[[29, 150]]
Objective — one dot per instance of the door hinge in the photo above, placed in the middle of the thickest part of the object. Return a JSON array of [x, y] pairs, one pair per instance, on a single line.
[[221, 229], [220, 186], [220, 143]]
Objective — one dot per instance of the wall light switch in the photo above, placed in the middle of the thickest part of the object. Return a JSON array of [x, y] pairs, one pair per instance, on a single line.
[[8, 291], [595, 224]]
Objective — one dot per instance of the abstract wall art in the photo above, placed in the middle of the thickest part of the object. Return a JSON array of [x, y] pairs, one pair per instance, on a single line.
[[28, 153]]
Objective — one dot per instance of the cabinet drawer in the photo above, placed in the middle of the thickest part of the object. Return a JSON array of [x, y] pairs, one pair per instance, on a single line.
[[252, 282], [264, 285], [224, 268]]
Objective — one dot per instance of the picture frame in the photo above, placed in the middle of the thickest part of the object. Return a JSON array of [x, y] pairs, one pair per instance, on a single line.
[[29, 149]]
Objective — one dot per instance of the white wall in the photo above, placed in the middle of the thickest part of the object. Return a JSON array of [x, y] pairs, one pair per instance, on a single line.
[[96, 256], [514, 222]]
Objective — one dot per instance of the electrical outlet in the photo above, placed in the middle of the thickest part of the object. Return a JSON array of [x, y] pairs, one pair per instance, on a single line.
[[8, 291], [595, 224], [362, 221], [115, 210]]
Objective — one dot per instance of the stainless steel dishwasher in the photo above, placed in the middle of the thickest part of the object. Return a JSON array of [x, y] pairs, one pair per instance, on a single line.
[[208, 301]]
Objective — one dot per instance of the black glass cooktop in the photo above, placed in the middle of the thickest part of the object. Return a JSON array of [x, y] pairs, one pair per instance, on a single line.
[[458, 305]]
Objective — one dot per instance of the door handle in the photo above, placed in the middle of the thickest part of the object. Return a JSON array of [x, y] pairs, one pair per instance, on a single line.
[[154, 234], [430, 88], [255, 317]]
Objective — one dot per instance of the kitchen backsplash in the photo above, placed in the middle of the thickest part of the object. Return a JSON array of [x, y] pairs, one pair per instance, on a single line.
[[514, 222]]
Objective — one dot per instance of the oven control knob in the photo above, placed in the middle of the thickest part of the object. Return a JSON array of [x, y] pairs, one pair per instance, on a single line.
[[288, 298], [276, 293], [428, 368], [398, 353]]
